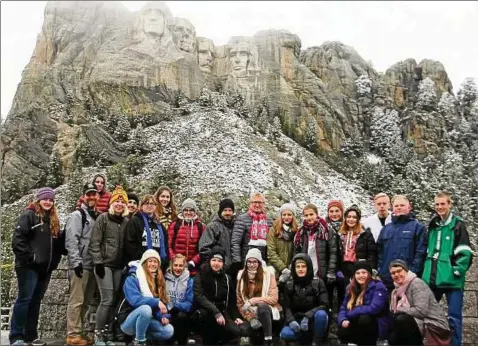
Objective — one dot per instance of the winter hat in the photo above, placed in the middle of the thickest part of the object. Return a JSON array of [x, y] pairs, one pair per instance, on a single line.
[[89, 188], [355, 208], [288, 206], [189, 203], [225, 203], [336, 203], [399, 263], [118, 193], [362, 265], [151, 253], [45, 193], [217, 252], [255, 253], [133, 196]]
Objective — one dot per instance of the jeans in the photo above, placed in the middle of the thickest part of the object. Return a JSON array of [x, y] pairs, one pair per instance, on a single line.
[[31, 289], [81, 292], [109, 287], [361, 331], [320, 322], [140, 322], [454, 298], [405, 331]]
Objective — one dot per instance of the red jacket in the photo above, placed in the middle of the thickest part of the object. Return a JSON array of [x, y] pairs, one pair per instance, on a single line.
[[102, 204], [186, 241]]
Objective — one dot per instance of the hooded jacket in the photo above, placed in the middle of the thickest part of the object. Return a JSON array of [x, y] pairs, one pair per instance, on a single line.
[[180, 290], [77, 240], [33, 243], [326, 249], [375, 303], [365, 247], [186, 241], [133, 295], [217, 233], [404, 238], [303, 297], [136, 243]]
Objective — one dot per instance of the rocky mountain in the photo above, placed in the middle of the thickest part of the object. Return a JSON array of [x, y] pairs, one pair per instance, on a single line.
[[141, 97]]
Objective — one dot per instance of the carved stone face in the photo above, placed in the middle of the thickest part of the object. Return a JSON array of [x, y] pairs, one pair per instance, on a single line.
[[205, 54], [153, 21], [184, 35], [240, 57]]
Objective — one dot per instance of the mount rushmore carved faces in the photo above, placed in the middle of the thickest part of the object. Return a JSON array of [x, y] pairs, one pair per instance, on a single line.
[[206, 54], [184, 34], [240, 58]]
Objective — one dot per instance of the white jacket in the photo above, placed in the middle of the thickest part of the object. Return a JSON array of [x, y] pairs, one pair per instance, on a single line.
[[373, 222]]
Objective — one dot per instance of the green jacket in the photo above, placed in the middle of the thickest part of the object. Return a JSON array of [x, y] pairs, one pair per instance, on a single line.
[[279, 251], [449, 253]]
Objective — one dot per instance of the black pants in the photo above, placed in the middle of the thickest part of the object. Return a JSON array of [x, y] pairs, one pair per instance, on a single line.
[[182, 326], [264, 316], [340, 284], [361, 331], [214, 334], [405, 331]]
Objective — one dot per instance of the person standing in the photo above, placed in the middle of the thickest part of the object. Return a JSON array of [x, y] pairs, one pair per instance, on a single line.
[[382, 217], [166, 206], [82, 281], [38, 249], [250, 231], [404, 238], [133, 203], [448, 259], [106, 250], [99, 181]]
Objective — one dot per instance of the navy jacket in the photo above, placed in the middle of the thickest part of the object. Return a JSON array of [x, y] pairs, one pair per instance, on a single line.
[[404, 238]]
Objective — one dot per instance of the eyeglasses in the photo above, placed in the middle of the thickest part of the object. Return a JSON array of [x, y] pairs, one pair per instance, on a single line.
[[253, 262], [188, 210], [257, 202]]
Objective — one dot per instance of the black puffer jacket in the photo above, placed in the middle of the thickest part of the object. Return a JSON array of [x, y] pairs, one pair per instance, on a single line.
[[303, 297], [214, 292], [218, 233], [335, 227], [34, 245], [365, 247], [325, 246]]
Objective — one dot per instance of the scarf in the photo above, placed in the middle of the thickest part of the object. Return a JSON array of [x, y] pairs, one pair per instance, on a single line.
[[251, 274], [399, 298], [259, 229], [286, 233], [162, 247], [312, 229], [143, 283]]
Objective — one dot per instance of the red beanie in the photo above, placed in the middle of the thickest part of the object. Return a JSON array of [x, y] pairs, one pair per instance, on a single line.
[[335, 203]]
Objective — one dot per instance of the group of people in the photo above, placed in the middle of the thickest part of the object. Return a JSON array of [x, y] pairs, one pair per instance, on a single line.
[[162, 274]]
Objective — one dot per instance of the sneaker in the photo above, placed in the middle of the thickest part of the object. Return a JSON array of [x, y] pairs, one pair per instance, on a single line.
[[38, 342], [76, 340], [19, 342], [191, 341], [139, 343], [382, 343], [99, 341], [245, 341]]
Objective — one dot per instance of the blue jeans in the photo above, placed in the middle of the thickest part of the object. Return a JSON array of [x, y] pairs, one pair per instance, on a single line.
[[26, 310], [321, 320], [454, 298], [140, 322]]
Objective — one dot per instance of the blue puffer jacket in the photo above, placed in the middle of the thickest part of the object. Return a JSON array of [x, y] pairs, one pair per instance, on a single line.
[[133, 295], [404, 238], [375, 303]]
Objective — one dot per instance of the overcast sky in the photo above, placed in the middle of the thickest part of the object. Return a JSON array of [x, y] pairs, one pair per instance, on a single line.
[[382, 32]]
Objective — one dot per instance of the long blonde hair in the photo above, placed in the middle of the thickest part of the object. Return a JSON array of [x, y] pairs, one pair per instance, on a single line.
[[357, 300], [54, 220], [277, 225], [157, 285]]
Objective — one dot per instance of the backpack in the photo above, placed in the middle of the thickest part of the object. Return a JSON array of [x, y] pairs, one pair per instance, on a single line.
[[84, 222], [177, 226]]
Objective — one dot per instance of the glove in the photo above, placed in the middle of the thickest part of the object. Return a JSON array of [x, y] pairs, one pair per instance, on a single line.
[[285, 271], [294, 326], [285, 275], [100, 270], [255, 324], [191, 265], [304, 324], [339, 275], [331, 278], [246, 306], [79, 270]]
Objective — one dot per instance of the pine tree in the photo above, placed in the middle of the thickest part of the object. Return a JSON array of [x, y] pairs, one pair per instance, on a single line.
[[427, 94], [54, 176], [364, 85], [123, 128], [385, 132], [75, 187]]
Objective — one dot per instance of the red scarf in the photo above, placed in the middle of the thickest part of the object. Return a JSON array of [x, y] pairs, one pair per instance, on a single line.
[[259, 228]]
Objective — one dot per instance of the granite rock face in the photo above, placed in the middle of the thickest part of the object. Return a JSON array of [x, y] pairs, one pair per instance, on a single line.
[[97, 59]]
